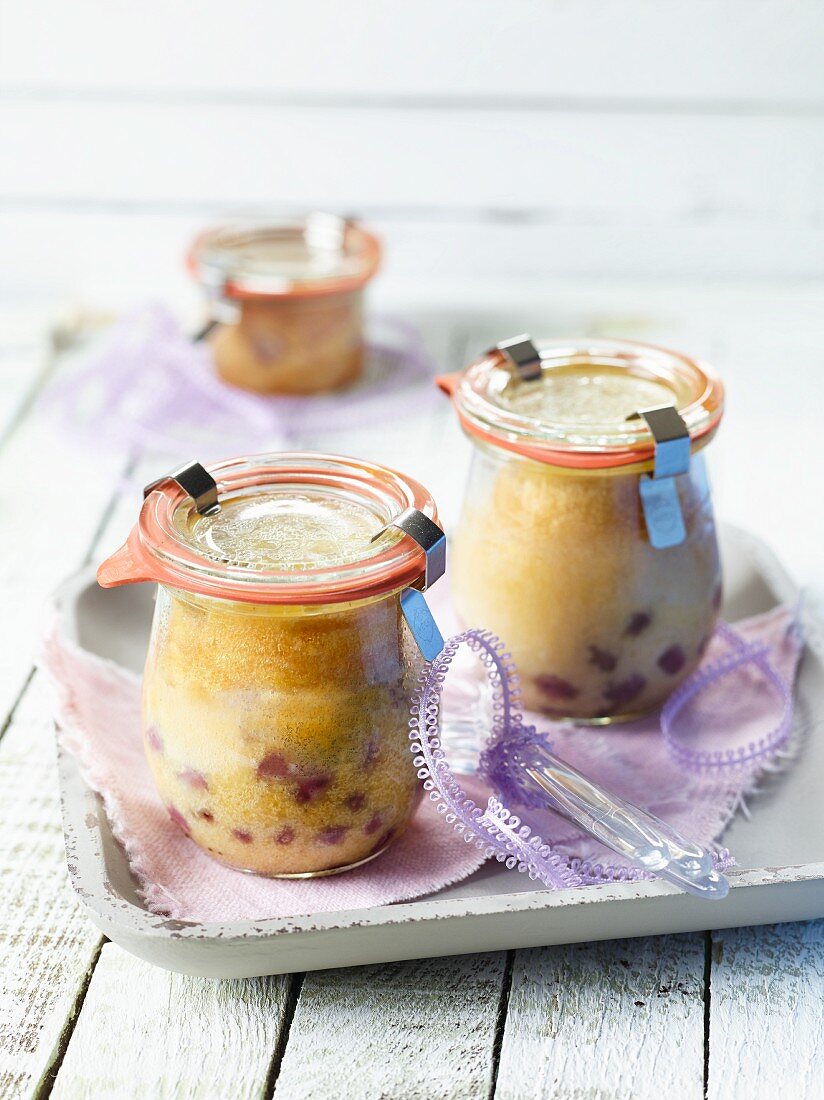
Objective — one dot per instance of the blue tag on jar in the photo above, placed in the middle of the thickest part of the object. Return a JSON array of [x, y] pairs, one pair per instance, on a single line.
[[422, 624], [659, 491], [662, 511]]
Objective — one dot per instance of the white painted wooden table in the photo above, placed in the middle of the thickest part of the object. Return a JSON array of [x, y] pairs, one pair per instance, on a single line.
[[732, 1014]]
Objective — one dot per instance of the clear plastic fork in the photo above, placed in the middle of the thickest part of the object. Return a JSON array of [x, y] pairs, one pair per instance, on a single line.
[[650, 843]]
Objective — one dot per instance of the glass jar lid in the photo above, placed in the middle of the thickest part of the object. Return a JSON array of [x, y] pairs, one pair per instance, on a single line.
[[289, 528], [317, 254], [577, 406]]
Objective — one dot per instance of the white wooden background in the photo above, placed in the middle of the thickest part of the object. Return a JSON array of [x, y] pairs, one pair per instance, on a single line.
[[506, 138], [561, 165]]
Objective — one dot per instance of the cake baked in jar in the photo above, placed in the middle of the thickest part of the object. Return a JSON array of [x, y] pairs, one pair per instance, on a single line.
[[280, 669], [586, 541], [286, 301]]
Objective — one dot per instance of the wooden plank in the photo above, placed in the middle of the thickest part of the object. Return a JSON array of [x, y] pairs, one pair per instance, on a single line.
[[766, 1019], [423, 1029], [693, 51], [589, 167], [22, 373], [618, 1019], [47, 944], [56, 492], [79, 257], [147, 1032]]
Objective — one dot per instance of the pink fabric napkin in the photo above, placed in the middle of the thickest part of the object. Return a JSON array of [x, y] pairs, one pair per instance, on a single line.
[[98, 712]]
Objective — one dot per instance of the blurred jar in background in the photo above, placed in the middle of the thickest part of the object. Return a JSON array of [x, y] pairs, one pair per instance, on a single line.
[[287, 299], [584, 542]]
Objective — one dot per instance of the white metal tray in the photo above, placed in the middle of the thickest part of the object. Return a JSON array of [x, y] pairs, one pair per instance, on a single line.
[[780, 851]]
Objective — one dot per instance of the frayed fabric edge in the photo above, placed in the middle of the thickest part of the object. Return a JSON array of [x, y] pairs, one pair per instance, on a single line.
[[67, 727]]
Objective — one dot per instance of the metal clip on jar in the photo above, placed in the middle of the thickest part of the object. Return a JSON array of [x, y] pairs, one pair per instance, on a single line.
[[280, 668], [286, 300], [587, 539]]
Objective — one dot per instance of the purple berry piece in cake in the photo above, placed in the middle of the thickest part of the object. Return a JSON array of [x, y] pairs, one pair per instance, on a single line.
[[672, 660], [638, 623], [332, 834], [194, 779], [273, 766], [178, 818], [356, 801], [242, 835], [311, 788], [622, 693], [602, 658], [555, 687], [285, 836], [399, 694], [373, 824], [371, 753], [153, 739], [206, 815]]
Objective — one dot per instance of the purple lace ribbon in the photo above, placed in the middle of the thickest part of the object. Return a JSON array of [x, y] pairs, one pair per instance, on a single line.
[[497, 830], [721, 761]]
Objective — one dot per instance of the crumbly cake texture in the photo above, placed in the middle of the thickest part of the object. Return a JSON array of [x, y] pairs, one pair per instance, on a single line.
[[559, 565], [292, 345], [278, 737]]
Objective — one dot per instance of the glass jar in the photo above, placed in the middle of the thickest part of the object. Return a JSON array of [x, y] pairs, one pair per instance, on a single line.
[[555, 548], [280, 669], [289, 299]]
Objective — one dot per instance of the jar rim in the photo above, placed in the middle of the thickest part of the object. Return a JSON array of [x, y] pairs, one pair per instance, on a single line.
[[698, 394], [157, 551], [329, 255]]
